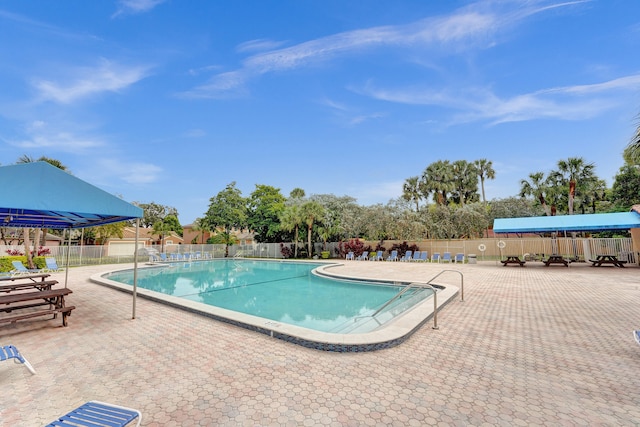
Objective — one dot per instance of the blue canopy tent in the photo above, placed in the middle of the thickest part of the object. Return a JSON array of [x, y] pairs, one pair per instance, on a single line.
[[39, 195], [585, 222]]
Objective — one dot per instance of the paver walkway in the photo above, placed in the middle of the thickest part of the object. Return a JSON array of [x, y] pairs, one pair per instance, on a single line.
[[528, 346]]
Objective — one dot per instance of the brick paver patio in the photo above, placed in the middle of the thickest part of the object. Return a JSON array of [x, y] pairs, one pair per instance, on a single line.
[[528, 346]]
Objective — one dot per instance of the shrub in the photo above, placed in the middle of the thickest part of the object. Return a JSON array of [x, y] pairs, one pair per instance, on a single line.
[[403, 247], [353, 245]]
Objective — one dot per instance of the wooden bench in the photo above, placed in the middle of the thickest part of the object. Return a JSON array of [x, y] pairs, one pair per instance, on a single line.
[[54, 298], [40, 276], [512, 259]]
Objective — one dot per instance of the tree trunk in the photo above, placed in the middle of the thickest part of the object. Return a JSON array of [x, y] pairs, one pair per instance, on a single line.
[[309, 228], [295, 240], [27, 250]]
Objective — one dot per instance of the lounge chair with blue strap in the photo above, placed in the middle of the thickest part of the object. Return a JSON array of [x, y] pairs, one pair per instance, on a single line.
[[636, 336], [435, 257], [349, 256], [377, 256], [52, 265], [19, 268], [11, 352], [407, 256], [459, 258], [98, 414], [416, 256], [363, 257], [393, 256], [446, 257]]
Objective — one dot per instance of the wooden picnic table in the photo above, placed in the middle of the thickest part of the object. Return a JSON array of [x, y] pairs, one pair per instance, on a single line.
[[513, 259], [25, 302], [556, 259], [31, 277], [43, 285], [607, 259]]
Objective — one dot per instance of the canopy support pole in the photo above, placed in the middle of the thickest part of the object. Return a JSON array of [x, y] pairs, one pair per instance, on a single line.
[[66, 267], [135, 269]]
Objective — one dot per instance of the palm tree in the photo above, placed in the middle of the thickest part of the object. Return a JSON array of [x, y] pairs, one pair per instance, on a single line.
[[575, 170], [309, 212], [535, 187], [411, 191], [438, 178], [632, 152], [290, 220], [199, 226], [464, 180], [484, 169]]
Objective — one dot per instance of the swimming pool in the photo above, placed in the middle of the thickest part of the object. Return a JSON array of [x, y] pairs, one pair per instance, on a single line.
[[285, 299]]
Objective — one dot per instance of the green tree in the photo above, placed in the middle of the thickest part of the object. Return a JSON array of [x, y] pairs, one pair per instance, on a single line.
[[310, 211], [536, 187], [625, 191], [437, 178], [227, 211], [297, 193], [632, 151], [290, 220], [411, 191], [484, 169], [575, 174], [465, 182], [200, 227], [154, 212], [164, 227], [266, 203]]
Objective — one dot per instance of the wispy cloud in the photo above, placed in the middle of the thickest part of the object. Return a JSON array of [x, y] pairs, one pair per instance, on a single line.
[[463, 29], [128, 7], [475, 104], [259, 45], [88, 81], [135, 173], [41, 135]]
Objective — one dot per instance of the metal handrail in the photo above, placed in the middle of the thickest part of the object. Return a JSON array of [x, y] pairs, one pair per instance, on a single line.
[[435, 294]]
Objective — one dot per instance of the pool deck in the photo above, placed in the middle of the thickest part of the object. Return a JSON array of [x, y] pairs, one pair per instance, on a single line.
[[528, 346]]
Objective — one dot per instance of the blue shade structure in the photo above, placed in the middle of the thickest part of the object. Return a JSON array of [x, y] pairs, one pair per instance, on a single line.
[[40, 195], [583, 222]]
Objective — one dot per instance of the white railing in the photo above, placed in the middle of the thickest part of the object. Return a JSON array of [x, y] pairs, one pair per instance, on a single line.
[[494, 248]]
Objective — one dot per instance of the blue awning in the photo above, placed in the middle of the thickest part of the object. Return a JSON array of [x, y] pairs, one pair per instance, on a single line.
[[40, 195], [587, 222]]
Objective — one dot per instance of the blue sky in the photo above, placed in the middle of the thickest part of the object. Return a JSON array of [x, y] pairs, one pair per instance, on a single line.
[[169, 101]]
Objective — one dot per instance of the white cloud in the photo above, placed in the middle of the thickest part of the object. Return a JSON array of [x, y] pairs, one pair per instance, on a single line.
[[576, 102], [89, 81], [40, 135], [135, 6], [134, 173], [461, 30], [259, 45]]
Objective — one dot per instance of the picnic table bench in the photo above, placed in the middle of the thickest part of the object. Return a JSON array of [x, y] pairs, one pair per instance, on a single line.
[[607, 259], [18, 301], [556, 259], [31, 277], [512, 259], [43, 285]]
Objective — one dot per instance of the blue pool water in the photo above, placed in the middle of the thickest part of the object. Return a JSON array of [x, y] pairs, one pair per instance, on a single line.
[[286, 292]]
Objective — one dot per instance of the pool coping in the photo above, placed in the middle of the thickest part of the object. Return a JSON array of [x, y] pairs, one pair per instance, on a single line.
[[390, 335]]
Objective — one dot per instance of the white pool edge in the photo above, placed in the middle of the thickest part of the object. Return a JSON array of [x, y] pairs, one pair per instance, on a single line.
[[391, 334]]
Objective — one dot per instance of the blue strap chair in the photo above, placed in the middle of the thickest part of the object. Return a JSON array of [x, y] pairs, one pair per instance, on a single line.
[[11, 352], [97, 414]]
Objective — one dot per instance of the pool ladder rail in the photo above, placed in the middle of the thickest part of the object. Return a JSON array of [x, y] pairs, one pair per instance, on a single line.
[[427, 284]]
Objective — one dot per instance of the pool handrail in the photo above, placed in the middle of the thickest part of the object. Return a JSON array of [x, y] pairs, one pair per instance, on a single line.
[[435, 294]]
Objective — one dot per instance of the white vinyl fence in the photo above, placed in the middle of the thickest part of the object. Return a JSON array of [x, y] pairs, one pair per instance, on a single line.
[[579, 249]]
